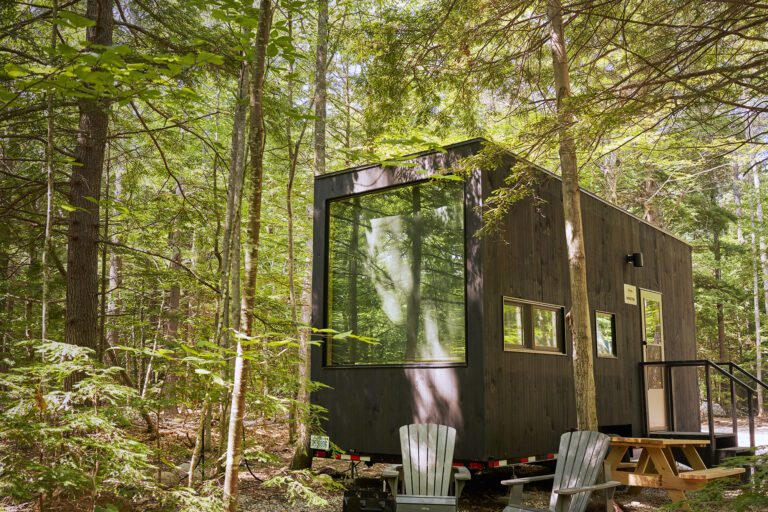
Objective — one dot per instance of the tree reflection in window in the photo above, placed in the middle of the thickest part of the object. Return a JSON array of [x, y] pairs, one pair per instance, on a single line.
[[514, 336], [396, 275], [545, 328], [606, 335]]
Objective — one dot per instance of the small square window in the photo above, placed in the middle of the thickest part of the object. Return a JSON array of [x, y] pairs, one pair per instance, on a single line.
[[605, 330], [514, 335], [530, 326], [545, 328]]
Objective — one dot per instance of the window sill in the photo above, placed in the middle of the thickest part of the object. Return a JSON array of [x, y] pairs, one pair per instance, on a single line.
[[394, 366], [532, 351]]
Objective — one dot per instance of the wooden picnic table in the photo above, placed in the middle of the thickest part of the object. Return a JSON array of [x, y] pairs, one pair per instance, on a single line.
[[656, 466]]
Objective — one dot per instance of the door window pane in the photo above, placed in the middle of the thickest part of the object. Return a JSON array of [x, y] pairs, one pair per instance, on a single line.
[[513, 326], [652, 312], [605, 339], [654, 375], [545, 328], [396, 276]]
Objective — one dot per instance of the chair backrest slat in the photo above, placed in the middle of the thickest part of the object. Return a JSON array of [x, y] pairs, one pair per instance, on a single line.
[[405, 450], [580, 460], [431, 458], [427, 451]]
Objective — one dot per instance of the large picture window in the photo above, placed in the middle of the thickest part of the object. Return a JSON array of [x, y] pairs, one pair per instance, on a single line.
[[396, 276]]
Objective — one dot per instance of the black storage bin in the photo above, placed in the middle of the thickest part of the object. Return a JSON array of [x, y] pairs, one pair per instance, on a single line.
[[368, 500]]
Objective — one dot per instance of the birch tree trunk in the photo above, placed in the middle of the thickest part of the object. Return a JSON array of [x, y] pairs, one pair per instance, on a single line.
[[115, 267], [764, 264], [199, 438], [234, 197], [229, 272], [81, 326], [256, 143], [579, 317], [755, 285], [737, 179], [719, 306]]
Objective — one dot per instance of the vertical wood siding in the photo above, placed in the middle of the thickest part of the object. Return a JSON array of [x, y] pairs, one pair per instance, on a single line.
[[513, 403]]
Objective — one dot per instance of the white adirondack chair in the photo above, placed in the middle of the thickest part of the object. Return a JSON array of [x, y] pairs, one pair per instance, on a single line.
[[428, 481], [580, 461]]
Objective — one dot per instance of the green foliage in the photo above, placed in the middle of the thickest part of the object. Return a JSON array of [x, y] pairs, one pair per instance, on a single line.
[[734, 495], [303, 486], [60, 427]]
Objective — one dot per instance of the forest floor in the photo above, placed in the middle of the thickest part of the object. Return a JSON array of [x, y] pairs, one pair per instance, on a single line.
[[483, 493]]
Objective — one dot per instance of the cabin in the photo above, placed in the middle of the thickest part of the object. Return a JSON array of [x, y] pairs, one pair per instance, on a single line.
[[419, 318]]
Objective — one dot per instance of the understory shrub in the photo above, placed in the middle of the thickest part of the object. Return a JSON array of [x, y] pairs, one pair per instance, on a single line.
[[62, 419], [734, 495]]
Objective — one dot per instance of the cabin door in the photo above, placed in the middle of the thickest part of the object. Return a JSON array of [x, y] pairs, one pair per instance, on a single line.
[[653, 350]]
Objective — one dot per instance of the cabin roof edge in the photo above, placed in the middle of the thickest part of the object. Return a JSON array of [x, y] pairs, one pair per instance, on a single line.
[[480, 140]]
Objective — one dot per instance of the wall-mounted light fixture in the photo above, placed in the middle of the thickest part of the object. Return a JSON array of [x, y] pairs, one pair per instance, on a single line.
[[636, 259]]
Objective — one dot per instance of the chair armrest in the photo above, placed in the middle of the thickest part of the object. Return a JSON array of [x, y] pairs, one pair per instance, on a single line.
[[391, 471], [461, 473], [597, 487], [461, 476], [391, 476], [526, 480], [516, 488]]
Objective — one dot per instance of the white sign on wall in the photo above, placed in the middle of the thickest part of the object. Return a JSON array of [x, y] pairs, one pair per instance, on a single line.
[[630, 294]]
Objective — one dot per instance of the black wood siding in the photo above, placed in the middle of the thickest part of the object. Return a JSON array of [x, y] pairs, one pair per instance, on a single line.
[[530, 396], [367, 405], [511, 404]]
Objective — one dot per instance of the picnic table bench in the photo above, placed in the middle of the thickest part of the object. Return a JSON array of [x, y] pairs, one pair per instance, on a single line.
[[656, 467]]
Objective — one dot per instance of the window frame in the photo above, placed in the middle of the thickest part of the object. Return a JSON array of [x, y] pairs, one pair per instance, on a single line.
[[327, 357], [614, 342], [529, 342]]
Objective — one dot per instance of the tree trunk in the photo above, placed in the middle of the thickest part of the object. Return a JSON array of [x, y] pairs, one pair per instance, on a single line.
[[234, 198], [171, 326], [115, 268], [321, 88], [413, 311], [651, 212], [302, 458], [104, 283], [199, 438], [737, 178], [256, 143], [717, 249], [32, 291], [764, 264], [49, 190], [354, 248], [579, 316], [6, 304], [755, 287], [85, 182], [229, 271]]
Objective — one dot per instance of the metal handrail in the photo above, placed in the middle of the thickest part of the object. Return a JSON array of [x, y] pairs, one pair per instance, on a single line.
[[710, 413], [700, 362], [747, 373]]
